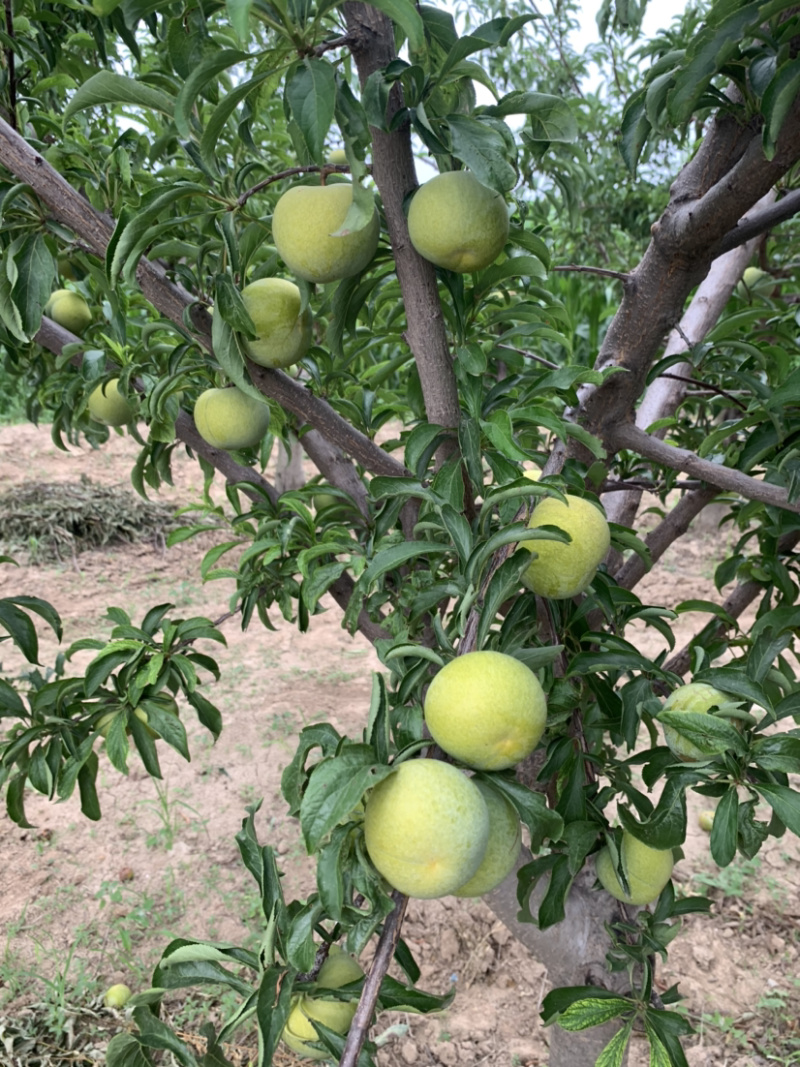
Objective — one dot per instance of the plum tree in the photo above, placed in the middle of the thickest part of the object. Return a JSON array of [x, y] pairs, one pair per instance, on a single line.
[[337, 970], [594, 331]]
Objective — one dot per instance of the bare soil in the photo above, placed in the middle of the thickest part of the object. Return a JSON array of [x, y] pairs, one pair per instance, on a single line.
[[84, 905]]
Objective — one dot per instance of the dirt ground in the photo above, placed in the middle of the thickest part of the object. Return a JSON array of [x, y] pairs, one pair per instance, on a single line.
[[84, 905]]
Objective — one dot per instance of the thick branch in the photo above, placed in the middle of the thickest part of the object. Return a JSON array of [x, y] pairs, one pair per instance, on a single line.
[[664, 395], [735, 605], [394, 173], [758, 223], [670, 529], [317, 413], [681, 459], [716, 188]]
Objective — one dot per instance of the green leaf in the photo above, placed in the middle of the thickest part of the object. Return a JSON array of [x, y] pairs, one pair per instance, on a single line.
[[592, 1012], [388, 559], [613, 1055], [157, 1035], [15, 805], [559, 1000], [239, 15], [107, 88], [311, 93], [35, 272], [125, 1050], [197, 80], [778, 100], [493, 34], [394, 996], [708, 52], [666, 826], [484, 150], [21, 629], [725, 828], [542, 822], [407, 18], [785, 802], [708, 733], [551, 117], [334, 788], [634, 131], [735, 683]]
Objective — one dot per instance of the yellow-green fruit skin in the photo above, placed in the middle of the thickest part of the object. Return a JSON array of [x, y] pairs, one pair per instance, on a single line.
[[486, 709], [426, 828], [228, 418], [338, 970], [337, 156], [696, 697], [117, 996], [302, 224], [284, 332], [109, 406], [647, 869], [502, 850], [69, 310], [457, 222], [299, 1029], [560, 570], [705, 820]]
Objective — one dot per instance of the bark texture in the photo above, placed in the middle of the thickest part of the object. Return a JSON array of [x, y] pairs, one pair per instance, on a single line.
[[574, 953]]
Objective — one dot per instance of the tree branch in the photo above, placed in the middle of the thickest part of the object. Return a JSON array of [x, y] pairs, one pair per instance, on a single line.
[[663, 398], [735, 605], [727, 175], [760, 222], [292, 172], [390, 935], [71, 209], [618, 275], [672, 527], [393, 169], [681, 459]]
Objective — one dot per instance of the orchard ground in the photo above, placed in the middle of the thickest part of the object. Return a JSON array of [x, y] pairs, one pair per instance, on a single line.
[[85, 905]]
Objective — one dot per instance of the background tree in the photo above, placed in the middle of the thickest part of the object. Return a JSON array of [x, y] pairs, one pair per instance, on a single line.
[[145, 150]]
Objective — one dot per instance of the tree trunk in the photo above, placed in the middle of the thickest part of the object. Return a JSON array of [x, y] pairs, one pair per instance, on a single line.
[[573, 952]]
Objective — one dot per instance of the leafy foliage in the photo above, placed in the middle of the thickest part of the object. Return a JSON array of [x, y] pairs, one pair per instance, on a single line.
[[185, 125]]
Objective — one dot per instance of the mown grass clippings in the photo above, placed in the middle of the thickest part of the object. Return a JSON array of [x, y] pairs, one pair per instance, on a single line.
[[54, 521]]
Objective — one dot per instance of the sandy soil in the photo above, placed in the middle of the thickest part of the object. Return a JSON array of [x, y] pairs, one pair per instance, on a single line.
[[83, 905]]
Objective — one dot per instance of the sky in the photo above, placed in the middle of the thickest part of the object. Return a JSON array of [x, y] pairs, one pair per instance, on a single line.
[[658, 15]]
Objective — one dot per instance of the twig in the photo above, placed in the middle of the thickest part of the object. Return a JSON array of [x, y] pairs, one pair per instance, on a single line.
[[754, 225], [631, 437], [12, 77], [372, 985], [340, 42], [714, 389], [470, 637], [643, 485], [668, 530], [529, 355], [291, 172], [734, 605], [620, 276]]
